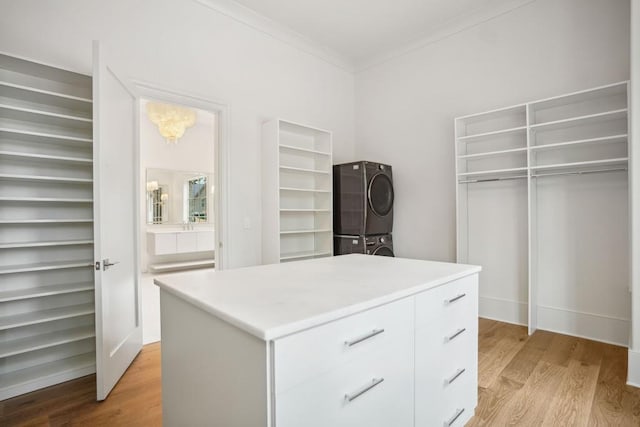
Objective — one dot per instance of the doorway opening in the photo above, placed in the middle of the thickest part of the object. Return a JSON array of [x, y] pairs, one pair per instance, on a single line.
[[178, 200]]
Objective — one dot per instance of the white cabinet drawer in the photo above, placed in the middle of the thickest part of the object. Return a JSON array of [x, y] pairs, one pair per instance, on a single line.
[[316, 351], [161, 243], [447, 301], [186, 242], [205, 240], [375, 390]]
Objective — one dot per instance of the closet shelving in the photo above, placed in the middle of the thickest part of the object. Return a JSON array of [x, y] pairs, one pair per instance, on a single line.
[[533, 184], [47, 331], [297, 192]]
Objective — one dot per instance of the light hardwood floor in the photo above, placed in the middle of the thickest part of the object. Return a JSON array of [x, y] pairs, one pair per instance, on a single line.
[[543, 380]]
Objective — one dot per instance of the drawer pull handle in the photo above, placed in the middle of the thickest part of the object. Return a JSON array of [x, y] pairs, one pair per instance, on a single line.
[[454, 299], [454, 418], [447, 339], [456, 375], [364, 337], [363, 390]]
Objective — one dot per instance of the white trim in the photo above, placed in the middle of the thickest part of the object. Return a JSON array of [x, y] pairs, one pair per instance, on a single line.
[[448, 29], [222, 157], [602, 328], [633, 370], [282, 33], [503, 310]]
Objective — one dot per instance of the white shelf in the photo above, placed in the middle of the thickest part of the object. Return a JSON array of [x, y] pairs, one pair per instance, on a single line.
[[186, 264], [43, 291], [492, 133], [304, 150], [604, 139], [46, 157], [495, 171], [79, 365], [617, 161], [493, 113], [35, 317], [587, 119], [45, 266], [581, 96], [303, 170], [301, 255], [31, 109], [304, 190], [8, 127], [34, 178], [45, 221], [38, 342], [39, 244], [45, 200], [304, 210], [493, 153], [314, 231], [46, 92]]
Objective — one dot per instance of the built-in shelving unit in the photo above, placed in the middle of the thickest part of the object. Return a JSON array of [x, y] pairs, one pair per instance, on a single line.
[[47, 331], [297, 192], [542, 194]]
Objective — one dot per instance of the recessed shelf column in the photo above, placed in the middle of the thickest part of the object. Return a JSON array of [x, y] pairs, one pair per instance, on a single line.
[[544, 185], [297, 192], [46, 227]]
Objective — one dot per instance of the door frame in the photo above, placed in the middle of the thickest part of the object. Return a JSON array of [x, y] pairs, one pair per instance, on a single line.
[[221, 161]]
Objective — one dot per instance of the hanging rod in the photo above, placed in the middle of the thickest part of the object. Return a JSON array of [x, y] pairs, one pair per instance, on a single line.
[[579, 172], [503, 178], [541, 175]]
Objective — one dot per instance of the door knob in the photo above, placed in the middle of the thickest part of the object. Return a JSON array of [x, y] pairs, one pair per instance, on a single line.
[[106, 263]]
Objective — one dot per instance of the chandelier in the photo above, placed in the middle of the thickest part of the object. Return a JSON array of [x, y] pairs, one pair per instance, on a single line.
[[172, 120]]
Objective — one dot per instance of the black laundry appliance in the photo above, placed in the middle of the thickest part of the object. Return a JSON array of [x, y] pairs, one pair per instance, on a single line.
[[370, 245], [362, 199]]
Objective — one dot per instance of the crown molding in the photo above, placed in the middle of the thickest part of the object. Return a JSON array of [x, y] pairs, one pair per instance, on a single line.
[[271, 28], [448, 29]]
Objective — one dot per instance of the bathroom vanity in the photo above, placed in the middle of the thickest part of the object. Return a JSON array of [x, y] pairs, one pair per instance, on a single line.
[[354, 340]]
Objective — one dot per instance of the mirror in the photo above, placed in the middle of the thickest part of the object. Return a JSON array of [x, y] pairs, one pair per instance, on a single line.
[[177, 197]]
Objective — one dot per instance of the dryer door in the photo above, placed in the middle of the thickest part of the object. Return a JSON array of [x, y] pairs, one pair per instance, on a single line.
[[383, 251], [380, 194]]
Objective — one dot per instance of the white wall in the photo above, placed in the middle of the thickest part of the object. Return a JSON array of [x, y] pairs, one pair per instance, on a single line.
[[194, 152], [187, 47], [634, 352], [405, 107]]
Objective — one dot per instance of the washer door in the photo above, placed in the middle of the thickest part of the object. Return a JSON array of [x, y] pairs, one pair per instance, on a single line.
[[383, 251], [380, 194]]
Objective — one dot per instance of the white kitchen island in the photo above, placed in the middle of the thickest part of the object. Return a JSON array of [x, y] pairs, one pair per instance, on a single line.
[[354, 340]]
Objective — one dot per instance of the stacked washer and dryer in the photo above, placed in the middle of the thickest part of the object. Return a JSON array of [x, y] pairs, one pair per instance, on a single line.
[[363, 208]]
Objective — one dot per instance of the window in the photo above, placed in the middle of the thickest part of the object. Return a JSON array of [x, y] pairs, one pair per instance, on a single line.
[[197, 199]]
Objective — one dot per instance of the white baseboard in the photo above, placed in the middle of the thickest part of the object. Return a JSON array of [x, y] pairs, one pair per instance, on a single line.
[[595, 327], [37, 384], [633, 372], [503, 310]]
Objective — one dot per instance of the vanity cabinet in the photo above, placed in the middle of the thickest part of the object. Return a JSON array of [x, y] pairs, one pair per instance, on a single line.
[[342, 341], [179, 242]]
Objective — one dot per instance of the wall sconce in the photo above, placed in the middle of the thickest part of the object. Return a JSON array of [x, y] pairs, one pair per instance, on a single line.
[[164, 197], [172, 120], [152, 186]]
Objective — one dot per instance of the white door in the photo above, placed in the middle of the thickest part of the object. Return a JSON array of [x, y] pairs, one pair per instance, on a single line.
[[117, 291]]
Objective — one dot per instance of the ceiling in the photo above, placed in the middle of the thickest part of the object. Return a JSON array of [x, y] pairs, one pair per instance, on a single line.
[[360, 30]]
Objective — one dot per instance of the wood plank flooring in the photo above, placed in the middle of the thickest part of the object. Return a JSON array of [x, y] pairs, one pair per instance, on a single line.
[[543, 380]]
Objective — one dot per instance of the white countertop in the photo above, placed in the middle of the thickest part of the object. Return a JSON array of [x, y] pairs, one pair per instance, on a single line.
[[271, 301], [176, 230]]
